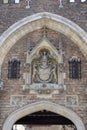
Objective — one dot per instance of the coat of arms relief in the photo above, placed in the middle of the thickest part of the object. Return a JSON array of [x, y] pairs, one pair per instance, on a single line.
[[44, 69]]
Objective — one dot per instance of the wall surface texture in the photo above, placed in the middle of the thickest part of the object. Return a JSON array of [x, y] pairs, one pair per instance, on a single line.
[[74, 95]]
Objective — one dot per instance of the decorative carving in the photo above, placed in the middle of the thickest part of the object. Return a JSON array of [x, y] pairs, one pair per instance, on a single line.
[[17, 100], [27, 67], [44, 69], [72, 100], [61, 67], [44, 91]]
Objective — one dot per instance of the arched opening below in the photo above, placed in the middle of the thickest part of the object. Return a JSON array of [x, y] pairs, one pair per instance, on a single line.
[[44, 119], [40, 106]]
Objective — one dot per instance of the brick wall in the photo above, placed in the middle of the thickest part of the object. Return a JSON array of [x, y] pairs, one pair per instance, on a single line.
[[9, 14], [15, 87]]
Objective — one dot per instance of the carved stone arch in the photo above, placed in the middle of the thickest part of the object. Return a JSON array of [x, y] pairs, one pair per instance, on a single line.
[[38, 106], [37, 21]]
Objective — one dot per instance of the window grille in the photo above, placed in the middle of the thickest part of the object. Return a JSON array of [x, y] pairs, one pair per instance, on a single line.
[[14, 69], [75, 68], [13, 1]]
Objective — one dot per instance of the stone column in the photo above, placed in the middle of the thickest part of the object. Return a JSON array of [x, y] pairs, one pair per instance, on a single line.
[[27, 76], [60, 63]]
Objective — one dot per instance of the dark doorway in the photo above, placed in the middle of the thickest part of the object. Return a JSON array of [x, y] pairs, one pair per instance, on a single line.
[[44, 118]]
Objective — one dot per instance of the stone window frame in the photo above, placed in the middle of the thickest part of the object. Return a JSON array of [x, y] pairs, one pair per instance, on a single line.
[[14, 71], [75, 69]]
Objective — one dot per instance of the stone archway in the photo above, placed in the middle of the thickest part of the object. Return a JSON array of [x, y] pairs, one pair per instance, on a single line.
[[27, 25], [35, 107], [37, 21]]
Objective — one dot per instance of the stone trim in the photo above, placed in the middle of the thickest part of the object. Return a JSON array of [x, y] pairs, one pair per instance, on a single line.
[[37, 21], [38, 106]]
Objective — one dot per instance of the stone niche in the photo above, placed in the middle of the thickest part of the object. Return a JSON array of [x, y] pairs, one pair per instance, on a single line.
[[44, 69]]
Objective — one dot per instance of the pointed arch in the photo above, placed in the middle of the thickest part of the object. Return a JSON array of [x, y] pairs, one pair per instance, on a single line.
[[38, 106], [37, 21]]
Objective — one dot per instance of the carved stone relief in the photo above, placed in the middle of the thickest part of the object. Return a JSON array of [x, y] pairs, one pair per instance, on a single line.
[[16, 100], [44, 68], [71, 100]]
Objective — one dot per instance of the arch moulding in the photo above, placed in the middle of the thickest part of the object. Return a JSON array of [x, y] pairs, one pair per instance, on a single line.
[[38, 106], [37, 21]]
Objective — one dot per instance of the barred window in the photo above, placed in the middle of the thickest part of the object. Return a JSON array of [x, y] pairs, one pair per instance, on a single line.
[[75, 68], [10, 1], [14, 69]]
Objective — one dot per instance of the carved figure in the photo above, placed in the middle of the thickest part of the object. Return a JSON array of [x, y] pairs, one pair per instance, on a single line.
[[44, 70]]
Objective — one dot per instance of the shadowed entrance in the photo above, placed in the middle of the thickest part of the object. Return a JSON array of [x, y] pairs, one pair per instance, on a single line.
[[33, 108], [44, 117]]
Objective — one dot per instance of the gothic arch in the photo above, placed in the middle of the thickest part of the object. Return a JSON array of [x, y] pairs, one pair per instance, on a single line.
[[37, 21], [38, 106]]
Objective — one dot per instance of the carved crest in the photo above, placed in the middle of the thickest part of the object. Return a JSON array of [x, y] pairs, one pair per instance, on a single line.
[[44, 68]]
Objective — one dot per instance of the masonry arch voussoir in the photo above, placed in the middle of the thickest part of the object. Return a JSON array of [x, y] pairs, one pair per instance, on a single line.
[[35, 107], [37, 21]]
